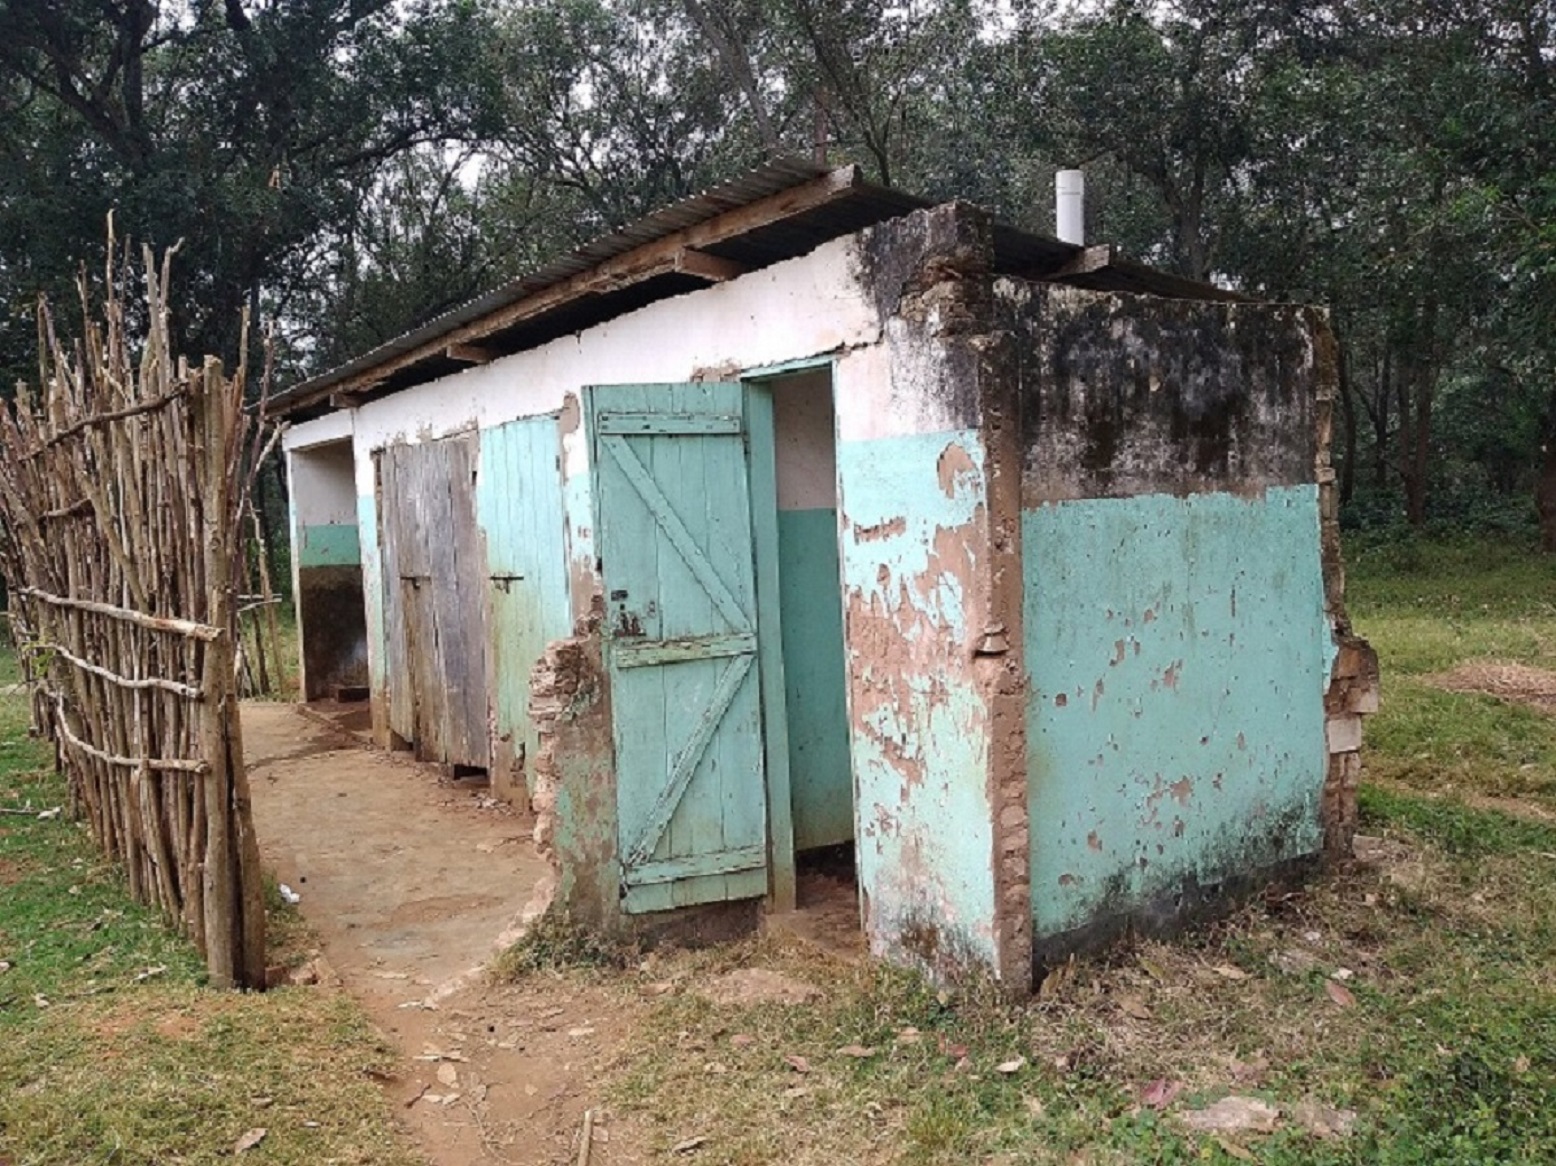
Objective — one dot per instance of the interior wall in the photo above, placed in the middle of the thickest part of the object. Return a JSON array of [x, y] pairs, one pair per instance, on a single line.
[[1175, 634], [811, 606], [327, 569]]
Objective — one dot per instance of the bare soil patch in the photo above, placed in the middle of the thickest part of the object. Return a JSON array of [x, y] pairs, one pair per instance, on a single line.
[[411, 884], [12, 872], [1519, 683]]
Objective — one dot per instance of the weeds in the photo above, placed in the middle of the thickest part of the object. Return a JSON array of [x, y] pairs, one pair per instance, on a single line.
[[554, 943]]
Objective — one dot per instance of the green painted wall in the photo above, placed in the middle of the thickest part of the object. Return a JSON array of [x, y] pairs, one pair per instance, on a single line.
[[518, 501], [1177, 649], [333, 544], [920, 740], [821, 787]]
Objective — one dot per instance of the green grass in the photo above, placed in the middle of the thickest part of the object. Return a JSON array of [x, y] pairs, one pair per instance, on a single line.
[[1428, 606], [1445, 936], [112, 1050], [1448, 1054]]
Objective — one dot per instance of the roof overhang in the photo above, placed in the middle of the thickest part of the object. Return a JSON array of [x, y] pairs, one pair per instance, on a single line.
[[782, 210]]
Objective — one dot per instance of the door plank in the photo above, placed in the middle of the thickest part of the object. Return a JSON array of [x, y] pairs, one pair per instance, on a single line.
[[675, 531], [668, 424], [656, 652], [764, 532], [701, 865], [686, 761]]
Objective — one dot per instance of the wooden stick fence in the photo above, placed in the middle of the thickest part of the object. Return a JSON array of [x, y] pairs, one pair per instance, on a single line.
[[123, 492]]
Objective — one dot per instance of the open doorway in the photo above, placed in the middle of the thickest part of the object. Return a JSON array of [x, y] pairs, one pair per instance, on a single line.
[[327, 582], [821, 786]]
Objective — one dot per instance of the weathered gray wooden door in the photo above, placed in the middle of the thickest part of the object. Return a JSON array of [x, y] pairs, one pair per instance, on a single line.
[[434, 578], [673, 524]]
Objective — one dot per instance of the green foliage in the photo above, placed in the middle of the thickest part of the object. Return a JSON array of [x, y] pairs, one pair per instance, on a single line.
[[354, 169], [554, 943]]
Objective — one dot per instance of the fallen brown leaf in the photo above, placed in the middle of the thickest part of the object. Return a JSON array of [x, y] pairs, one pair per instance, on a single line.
[[1014, 1065], [1340, 994], [953, 1050], [858, 1052], [798, 1063], [250, 1139], [1133, 1006], [1159, 1094]]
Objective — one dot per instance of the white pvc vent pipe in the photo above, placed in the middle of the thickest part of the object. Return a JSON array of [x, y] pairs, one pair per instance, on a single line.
[[1070, 206]]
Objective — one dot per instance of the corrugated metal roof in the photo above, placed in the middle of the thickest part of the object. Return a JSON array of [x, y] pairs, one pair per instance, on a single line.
[[849, 205]]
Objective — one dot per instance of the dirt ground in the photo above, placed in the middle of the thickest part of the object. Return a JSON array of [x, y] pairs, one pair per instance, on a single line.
[[412, 883], [1518, 683]]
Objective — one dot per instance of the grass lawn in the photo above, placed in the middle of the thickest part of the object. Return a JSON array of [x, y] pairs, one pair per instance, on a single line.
[[111, 1048], [1411, 998], [1429, 607]]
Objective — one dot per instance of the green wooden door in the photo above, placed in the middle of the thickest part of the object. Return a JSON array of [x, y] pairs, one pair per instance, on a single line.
[[673, 524]]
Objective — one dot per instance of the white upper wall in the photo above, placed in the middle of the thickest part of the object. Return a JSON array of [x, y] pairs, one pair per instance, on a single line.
[[320, 431], [790, 311], [323, 484]]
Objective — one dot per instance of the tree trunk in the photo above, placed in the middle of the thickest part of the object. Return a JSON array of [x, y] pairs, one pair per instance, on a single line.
[[1545, 496], [1416, 389], [1380, 422], [1348, 419], [1545, 485]]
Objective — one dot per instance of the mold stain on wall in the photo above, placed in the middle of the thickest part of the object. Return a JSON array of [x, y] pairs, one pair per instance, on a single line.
[[1178, 653]]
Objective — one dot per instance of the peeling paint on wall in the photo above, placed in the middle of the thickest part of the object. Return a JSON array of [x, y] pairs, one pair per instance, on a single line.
[[919, 750], [1178, 654]]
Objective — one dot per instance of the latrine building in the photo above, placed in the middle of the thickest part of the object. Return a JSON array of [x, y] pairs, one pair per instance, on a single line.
[[803, 513]]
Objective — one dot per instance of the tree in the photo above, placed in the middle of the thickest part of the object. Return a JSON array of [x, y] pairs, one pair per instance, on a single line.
[[244, 131]]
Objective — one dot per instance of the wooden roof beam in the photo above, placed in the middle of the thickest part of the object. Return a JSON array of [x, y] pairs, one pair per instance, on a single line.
[[471, 353], [709, 267]]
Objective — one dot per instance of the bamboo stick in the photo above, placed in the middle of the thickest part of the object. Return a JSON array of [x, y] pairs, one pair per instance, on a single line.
[[161, 623], [185, 690], [162, 456]]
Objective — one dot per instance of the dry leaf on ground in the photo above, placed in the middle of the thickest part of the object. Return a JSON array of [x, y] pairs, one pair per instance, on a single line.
[[250, 1139], [1159, 1094], [1233, 1115], [1133, 1006], [1340, 994]]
